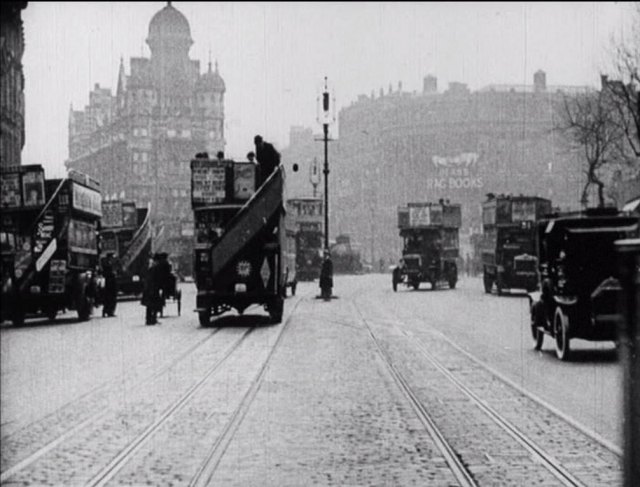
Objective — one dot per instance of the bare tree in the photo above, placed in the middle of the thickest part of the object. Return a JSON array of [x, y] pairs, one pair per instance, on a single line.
[[624, 92], [588, 121]]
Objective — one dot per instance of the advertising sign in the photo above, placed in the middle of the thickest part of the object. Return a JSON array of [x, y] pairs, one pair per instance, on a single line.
[[57, 272], [244, 180], [82, 237], [523, 211], [207, 181], [187, 229], [44, 232], [10, 190], [419, 216], [129, 214], [403, 217], [112, 214], [86, 199], [456, 172], [33, 188]]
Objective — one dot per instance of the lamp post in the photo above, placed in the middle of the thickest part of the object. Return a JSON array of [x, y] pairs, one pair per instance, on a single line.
[[314, 176], [327, 118]]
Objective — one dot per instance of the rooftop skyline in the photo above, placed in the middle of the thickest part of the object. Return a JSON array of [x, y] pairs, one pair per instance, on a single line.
[[274, 56]]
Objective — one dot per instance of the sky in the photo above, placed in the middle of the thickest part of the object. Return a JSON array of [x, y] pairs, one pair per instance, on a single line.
[[274, 56]]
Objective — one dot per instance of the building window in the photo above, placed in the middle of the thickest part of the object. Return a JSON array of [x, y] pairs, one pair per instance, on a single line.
[[144, 132], [136, 132], [171, 133], [136, 156], [212, 135], [145, 156], [186, 133]]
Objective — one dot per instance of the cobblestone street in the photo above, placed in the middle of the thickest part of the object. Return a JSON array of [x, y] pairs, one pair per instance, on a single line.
[[373, 388]]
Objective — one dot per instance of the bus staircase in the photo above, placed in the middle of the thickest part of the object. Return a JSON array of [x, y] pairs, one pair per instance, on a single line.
[[139, 241], [249, 221], [27, 261]]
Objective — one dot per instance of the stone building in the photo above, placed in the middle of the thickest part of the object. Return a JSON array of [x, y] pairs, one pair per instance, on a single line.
[[459, 145], [139, 141], [11, 83]]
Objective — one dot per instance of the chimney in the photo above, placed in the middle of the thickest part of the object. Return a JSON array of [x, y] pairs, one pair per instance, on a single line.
[[539, 81], [430, 84]]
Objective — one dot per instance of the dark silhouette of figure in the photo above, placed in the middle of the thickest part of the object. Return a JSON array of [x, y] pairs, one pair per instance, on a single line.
[[326, 276], [268, 158], [151, 297], [110, 299], [166, 279]]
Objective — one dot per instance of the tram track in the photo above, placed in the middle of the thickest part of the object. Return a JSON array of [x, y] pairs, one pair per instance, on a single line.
[[208, 467], [537, 452], [456, 465], [126, 454], [92, 418]]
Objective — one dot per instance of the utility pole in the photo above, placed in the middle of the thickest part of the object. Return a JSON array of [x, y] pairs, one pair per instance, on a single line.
[[314, 176], [327, 118]]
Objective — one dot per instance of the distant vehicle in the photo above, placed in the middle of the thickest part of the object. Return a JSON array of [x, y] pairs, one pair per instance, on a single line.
[[430, 244], [508, 241], [346, 256], [306, 217], [578, 269], [240, 238], [126, 233], [49, 243]]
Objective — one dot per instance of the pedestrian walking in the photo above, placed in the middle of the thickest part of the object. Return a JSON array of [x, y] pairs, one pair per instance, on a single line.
[[110, 298], [268, 158], [151, 297]]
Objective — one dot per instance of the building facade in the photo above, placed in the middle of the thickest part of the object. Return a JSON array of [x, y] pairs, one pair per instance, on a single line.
[[459, 145], [11, 83], [139, 141]]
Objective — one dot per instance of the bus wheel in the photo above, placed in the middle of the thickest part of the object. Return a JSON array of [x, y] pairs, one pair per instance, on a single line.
[[561, 330], [275, 310], [204, 317], [51, 313], [488, 283], [83, 306], [17, 317]]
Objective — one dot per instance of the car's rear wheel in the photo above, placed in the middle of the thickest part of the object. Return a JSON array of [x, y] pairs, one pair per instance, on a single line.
[[536, 333], [561, 331]]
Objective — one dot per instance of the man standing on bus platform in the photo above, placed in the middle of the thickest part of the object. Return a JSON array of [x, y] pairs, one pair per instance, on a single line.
[[268, 158]]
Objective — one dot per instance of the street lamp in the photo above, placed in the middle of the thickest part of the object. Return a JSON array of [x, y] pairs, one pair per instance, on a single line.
[[314, 176], [327, 118]]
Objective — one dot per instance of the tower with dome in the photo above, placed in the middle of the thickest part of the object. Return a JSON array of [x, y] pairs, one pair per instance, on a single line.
[[139, 140]]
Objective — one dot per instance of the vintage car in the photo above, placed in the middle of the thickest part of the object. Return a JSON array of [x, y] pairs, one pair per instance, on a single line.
[[578, 271]]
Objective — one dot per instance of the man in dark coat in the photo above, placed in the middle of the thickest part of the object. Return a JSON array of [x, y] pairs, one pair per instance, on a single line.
[[326, 276], [110, 287], [151, 297], [268, 158], [165, 279]]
